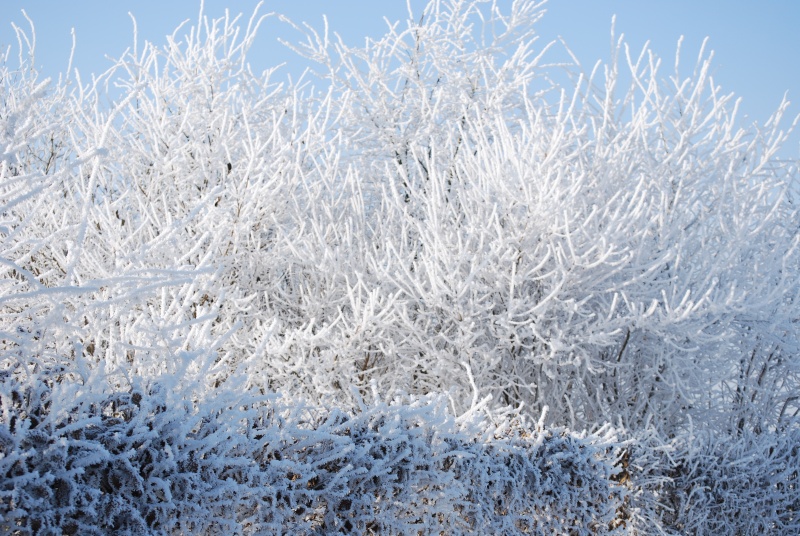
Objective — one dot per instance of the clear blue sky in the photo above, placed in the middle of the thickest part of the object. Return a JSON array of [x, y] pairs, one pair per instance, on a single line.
[[756, 44]]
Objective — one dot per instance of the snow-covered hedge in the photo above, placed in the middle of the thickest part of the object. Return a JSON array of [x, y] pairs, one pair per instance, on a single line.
[[719, 484], [150, 461], [146, 461]]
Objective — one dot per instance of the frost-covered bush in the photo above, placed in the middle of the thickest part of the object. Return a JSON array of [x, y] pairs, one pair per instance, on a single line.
[[603, 252], [146, 461], [138, 462], [707, 482], [735, 485], [441, 211], [612, 253]]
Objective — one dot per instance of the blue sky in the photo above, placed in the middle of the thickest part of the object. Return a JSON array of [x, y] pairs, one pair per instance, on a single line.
[[757, 45]]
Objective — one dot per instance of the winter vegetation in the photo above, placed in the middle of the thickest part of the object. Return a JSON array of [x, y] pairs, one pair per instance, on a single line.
[[440, 284]]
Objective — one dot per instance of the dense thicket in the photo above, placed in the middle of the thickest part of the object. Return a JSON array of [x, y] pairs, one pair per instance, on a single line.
[[440, 212], [149, 461]]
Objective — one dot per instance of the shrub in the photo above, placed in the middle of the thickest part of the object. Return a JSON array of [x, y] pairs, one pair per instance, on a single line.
[[146, 462]]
